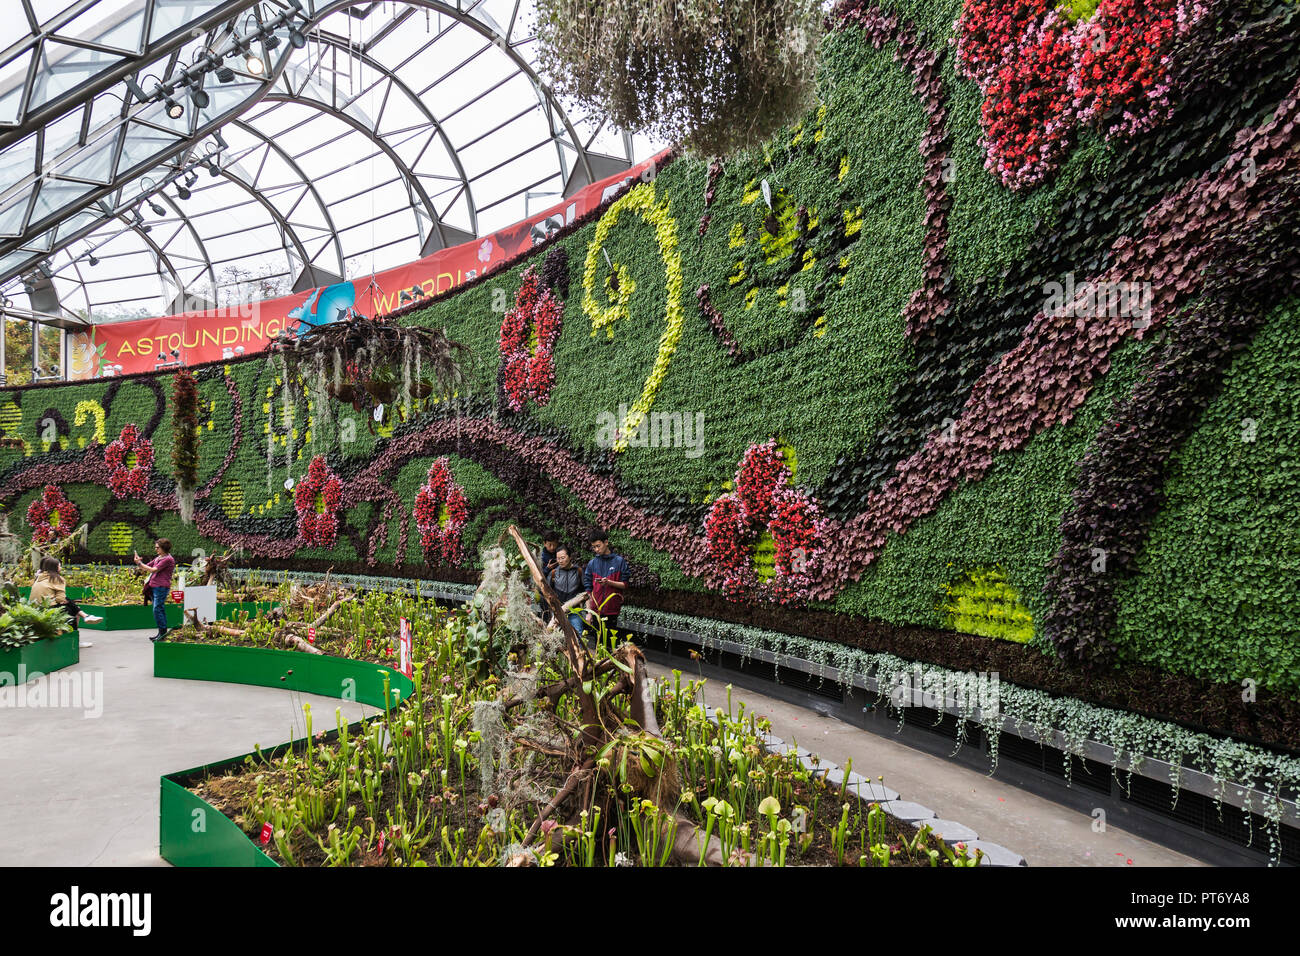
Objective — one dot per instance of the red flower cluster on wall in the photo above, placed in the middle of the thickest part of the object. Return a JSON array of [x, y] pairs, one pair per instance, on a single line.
[[127, 479], [439, 540], [528, 370], [317, 499], [1044, 77], [52, 515], [763, 503]]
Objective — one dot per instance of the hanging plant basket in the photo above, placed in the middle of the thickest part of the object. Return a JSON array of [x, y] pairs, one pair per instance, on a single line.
[[380, 391], [716, 77], [364, 361]]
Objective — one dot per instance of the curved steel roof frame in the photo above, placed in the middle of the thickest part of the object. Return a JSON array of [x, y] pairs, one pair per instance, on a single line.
[[422, 150]]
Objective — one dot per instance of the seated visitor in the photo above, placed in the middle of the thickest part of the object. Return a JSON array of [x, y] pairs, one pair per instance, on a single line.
[[159, 583], [565, 579], [50, 584], [546, 553], [605, 581]]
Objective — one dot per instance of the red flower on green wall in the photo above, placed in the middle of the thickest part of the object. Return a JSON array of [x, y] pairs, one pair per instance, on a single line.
[[130, 459], [52, 515], [440, 514], [528, 336], [763, 511], [1044, 77], [316, 499]]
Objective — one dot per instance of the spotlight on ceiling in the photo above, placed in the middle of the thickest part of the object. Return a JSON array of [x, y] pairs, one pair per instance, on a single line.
[[157, 209], [197, 94], [182, 191], [92, 260], [272, 41], [296, 39], [191, 178], [254, 63], [174, 109], [225, 74], [213, 168]]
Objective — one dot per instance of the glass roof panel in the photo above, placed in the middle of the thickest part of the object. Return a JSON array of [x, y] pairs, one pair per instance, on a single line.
[[113, 23], [47, 10], [13, 214], [63, 66], [171, 15], [54, 194], [13, 78]]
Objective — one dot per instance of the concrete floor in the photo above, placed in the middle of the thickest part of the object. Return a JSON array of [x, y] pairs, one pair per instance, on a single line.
[[81, 790], [1045, 833]]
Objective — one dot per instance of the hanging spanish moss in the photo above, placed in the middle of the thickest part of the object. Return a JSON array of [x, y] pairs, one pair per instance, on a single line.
[[716, 77]]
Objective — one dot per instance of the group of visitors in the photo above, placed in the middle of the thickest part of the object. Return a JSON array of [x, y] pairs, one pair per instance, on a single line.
[[52, 586], [592, 594]]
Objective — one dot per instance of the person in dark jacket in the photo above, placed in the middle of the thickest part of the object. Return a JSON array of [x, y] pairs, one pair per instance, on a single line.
[[565, 580], [605, 581]]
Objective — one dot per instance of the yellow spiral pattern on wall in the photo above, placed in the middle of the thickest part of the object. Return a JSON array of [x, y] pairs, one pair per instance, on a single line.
[[605, 315]]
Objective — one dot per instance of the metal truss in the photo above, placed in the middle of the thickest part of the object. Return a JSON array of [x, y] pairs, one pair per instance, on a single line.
[[431, 111]]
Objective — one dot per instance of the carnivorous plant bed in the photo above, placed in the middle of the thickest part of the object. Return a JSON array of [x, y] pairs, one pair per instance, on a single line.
[[523, 745]]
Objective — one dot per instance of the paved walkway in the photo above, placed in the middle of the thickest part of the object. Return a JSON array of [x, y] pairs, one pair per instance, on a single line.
[[78, 789], [1045, 833]]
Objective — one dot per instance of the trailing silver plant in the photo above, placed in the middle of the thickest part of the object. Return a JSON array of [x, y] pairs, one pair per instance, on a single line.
[[1132, 738]]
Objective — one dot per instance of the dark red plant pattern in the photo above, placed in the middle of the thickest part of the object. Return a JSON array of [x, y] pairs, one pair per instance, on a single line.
[[528, 371], [317, 499], [924, 63], [763, 503], [52, 515], [441, 541], [127, 479]]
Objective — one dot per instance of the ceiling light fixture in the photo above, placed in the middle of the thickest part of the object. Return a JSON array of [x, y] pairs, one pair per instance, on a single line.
[[175, 109]]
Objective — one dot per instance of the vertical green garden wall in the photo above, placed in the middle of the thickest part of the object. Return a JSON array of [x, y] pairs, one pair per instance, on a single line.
[[830, 375]]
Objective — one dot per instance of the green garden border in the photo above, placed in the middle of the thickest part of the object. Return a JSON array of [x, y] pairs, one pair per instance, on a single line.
[[122, 617], [73, 593], [191, 832], [126, 617], [41, 657]]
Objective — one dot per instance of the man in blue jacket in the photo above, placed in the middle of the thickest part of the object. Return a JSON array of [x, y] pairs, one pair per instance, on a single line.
[[605, 580]]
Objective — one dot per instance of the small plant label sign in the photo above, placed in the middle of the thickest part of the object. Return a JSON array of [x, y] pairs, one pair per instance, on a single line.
[[404, 643], [265, 836], [311, 635]]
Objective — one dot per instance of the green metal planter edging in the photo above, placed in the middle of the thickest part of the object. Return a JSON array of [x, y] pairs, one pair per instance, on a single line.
[[74, 593], [18, 665], [191, 832], [121, 617]]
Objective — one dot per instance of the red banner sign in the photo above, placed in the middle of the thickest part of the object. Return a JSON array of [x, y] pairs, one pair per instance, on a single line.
[[191, 338]]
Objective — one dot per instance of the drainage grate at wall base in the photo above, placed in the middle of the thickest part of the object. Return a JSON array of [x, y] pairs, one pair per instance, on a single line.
[[1198, 811], [942, 723], [1088, 774]]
